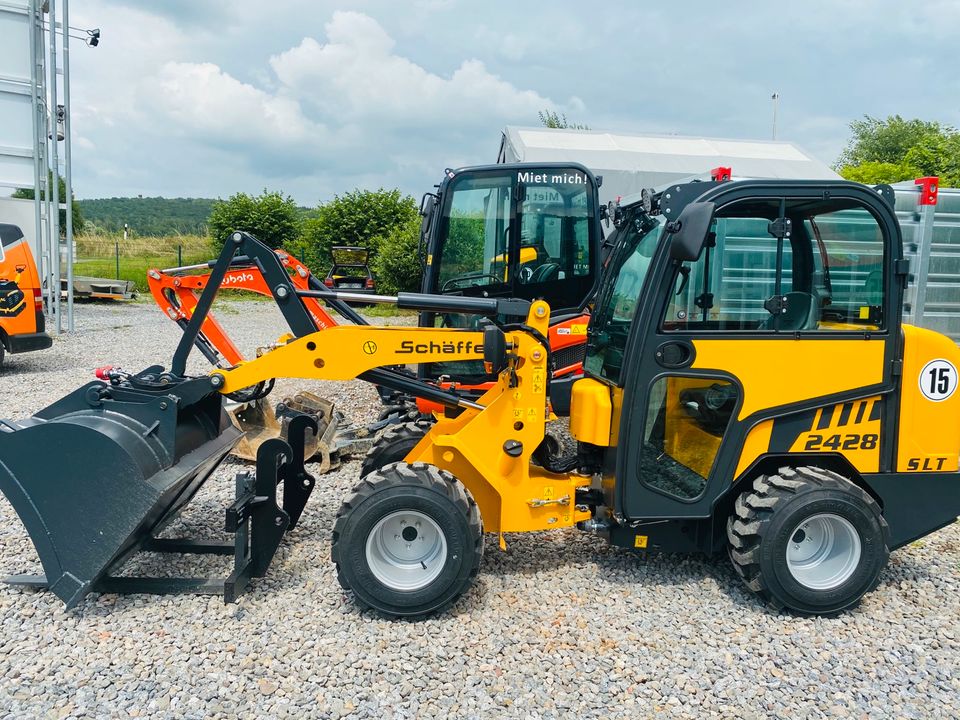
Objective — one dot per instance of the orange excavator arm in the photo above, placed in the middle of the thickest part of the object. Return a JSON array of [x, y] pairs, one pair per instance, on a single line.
[[177, 290]]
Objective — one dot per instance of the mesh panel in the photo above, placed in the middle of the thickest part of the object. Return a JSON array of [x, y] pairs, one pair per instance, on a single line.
[[568, 356]]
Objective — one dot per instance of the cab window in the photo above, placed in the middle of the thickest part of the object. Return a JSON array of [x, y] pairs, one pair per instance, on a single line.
[[818, 267], [848, 262], [554, 228], [726, 288], [476, 249], [617, 302]]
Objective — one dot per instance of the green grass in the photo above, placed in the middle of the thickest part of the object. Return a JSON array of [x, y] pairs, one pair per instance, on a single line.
[[97, 255], [386, 311], [131, 268]]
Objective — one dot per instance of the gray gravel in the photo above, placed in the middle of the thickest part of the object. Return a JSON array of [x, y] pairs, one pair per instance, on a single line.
[[559, 625]]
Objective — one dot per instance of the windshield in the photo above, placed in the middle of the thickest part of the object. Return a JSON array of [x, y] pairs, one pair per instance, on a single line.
[[617, 302], [477, 221], [518, 231]]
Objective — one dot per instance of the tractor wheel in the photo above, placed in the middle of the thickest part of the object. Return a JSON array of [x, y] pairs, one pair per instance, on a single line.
[[808, 539], [3, 352], [409, 541], [393, 444]]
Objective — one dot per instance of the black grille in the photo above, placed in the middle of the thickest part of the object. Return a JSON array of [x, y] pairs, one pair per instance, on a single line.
[[570, 355]]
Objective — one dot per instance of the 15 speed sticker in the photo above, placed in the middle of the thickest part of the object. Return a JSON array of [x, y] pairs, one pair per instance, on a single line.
[[938, 380]]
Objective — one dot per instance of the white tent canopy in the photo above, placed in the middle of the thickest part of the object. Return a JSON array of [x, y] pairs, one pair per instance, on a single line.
[[629, 163]]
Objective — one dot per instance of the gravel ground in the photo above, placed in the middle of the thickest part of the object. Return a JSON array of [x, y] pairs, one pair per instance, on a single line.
[[559, 625]]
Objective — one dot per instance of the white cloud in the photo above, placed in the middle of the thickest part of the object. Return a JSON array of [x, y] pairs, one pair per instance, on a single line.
[[356, 74], [202, 98], [511, 46], [182, 99], [350, 102]]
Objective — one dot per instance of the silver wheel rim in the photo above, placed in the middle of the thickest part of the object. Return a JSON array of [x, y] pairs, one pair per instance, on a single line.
[[823, 551], [406, 550]]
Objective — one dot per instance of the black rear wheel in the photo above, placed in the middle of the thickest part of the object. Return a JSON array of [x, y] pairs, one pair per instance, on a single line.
[[808, 539], [394, 444], [409, 541]]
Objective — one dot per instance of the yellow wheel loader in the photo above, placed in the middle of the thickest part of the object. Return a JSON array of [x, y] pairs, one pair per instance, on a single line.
[[749, 389]]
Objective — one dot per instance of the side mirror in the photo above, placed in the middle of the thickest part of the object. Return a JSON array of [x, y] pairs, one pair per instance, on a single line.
[[426, 212], [428, 205], [689, 231]]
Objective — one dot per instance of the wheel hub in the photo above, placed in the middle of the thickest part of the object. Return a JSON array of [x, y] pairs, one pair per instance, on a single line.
[[824, 551], [406, 550]]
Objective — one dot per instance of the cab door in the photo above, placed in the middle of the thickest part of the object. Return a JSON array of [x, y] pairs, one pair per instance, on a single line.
[[754, 346]]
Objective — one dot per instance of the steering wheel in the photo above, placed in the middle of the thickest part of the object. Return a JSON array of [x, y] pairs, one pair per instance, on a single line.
[[468, 279]]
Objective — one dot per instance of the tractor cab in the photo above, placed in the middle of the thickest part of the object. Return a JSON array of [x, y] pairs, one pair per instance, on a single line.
[[524, 230], [517, 230], [753, 328]]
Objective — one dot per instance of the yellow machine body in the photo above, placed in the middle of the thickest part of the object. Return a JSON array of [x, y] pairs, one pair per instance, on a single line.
[[851, 428], [928, 439], [488, 449]]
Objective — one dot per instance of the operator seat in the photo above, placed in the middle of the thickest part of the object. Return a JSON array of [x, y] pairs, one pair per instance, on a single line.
[[545, 273]]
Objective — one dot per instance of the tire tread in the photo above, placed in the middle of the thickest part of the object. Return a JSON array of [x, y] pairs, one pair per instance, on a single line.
[[423, 475], [754, 508], [392, 438]]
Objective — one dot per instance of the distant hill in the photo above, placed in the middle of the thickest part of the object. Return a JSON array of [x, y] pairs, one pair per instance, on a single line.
[[155, 216], [149, 216]]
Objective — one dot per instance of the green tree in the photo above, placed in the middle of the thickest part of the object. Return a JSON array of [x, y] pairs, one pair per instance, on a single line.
[[270, 217], [876, 173], [359, 217], [463, 251], [397, 265], [894, 149], [28, 194], [553, 119]]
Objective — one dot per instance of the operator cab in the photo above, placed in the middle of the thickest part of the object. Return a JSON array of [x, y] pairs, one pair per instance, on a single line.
[[514, 230], [768, 309]]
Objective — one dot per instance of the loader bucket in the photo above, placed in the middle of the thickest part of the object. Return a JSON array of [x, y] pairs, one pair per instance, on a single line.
[[259, 423], [98, 473]]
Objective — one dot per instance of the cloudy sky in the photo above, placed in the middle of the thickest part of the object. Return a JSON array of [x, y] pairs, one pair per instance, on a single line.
[[209, 97]]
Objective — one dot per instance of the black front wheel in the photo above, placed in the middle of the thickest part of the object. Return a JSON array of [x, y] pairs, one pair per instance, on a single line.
[[808, 539], [409, 541]]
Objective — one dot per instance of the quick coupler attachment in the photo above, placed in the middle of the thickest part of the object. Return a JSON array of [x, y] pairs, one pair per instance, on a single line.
[[255, 518]]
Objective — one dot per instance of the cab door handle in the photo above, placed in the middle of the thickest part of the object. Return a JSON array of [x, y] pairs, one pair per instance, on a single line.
[[675, 354]]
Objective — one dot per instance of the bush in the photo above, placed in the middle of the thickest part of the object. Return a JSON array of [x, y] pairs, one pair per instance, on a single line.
[[270, 217], [397, 264], [360, 217]]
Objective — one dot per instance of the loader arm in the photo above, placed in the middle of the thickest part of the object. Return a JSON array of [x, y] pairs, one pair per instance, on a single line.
[[489, 444], [347, 352], [176, 291]]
